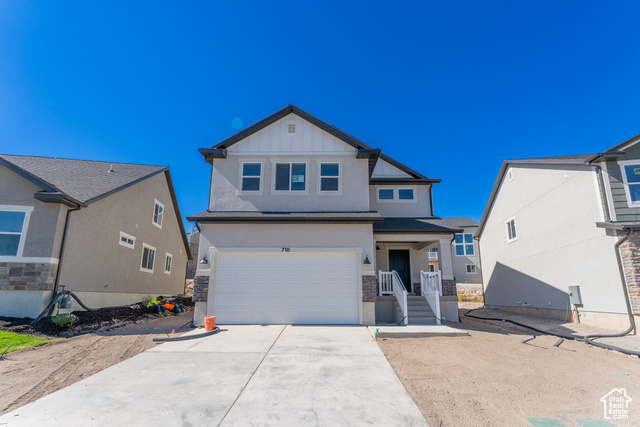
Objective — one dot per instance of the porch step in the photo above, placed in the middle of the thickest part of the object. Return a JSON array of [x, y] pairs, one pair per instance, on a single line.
[[419, 312]]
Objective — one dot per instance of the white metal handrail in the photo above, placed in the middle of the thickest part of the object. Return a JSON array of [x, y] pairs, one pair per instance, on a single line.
[[430, 292], [385, 279], [400, 293]]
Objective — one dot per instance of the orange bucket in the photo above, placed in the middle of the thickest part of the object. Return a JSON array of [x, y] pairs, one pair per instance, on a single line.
[[209, 323]]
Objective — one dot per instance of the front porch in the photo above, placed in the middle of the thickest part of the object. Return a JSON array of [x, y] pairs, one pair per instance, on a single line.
[[410, 290]]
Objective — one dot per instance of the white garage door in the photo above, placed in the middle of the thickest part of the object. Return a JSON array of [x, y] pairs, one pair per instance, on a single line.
[[286, 288]]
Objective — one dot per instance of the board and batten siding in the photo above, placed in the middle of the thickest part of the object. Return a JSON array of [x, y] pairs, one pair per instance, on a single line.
[[276, 139], [618, 193]]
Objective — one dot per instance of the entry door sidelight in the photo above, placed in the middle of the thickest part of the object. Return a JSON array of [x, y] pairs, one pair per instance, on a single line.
[[399, 261]]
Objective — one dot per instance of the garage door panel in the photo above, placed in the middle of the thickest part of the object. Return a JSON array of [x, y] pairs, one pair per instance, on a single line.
[[297, 288]]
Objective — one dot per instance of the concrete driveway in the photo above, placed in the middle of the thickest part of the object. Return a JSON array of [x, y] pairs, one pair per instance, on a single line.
[[243, 376]]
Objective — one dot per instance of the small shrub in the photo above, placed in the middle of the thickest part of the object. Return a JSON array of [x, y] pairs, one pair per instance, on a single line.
[[66, 320]]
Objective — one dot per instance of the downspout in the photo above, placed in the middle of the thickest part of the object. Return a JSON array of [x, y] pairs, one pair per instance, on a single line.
[[431, 199], [603, 194], [62, 246]]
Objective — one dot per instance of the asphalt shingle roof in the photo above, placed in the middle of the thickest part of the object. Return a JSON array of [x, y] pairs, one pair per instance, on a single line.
[[83, 180], [572, 157], [208, 216], [424, 225]]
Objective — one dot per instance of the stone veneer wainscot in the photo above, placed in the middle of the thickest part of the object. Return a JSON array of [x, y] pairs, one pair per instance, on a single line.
[[16, 276]]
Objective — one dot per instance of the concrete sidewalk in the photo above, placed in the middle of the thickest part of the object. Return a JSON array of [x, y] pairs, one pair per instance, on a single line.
[[242, 376]]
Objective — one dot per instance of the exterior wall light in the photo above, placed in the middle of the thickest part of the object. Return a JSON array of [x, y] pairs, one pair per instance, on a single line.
[[366, 260], [204, 260]]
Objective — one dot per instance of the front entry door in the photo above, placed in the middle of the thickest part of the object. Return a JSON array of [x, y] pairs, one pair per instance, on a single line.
[[399, 261]]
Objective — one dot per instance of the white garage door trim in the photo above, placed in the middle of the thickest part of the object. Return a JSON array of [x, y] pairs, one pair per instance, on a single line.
[[299, 287]]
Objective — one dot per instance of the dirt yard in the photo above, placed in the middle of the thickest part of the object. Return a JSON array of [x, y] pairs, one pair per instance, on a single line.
[[35, 372], [491, 379]]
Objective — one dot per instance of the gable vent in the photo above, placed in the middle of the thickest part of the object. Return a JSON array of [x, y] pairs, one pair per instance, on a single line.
[[291, 128]]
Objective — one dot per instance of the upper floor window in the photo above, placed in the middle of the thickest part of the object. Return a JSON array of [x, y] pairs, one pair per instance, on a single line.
[[631, 178], [385, 193], [396, 195], [127, 240], [464, 244], [511, 230], [330, 177], [251, 173], [158, 212], [291, 177], [13, 228], [405, 193]]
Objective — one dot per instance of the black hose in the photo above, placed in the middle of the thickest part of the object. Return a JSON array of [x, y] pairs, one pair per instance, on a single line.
[[587, 339], [190, 337], [62, 293]]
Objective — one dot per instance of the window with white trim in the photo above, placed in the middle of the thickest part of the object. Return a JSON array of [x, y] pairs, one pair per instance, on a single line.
[[14, 221], [167, 263], [405, 194], [471, 268], [148, 258], [291, 177], [251, 173], [631, 179], [511, 230], [158, 213], [329, 177], [385, 193], [464, 244], [127, 240]]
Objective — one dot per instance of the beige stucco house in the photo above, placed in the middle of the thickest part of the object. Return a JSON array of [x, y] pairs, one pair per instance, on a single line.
[[109, 232], [558, 222], [307, 224]]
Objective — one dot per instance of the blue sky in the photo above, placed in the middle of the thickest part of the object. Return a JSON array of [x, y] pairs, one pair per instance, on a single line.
[[450, 88]]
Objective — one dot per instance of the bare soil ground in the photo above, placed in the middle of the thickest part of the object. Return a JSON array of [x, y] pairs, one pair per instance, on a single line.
[[491, 379], [101, 339]]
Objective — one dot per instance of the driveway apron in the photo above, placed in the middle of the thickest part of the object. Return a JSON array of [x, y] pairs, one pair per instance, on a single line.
[[246, 375]]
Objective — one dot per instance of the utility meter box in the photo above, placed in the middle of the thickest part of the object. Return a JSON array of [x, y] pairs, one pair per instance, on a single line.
[[574, 295]]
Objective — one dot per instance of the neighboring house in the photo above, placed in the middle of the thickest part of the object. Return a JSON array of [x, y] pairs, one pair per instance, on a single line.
[[464, 250], [466, 259], [303, 223], [109, 232], [194, 243], [556, 222]]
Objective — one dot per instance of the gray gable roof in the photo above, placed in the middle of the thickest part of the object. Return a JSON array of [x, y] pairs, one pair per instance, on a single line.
[[462, 221], [415, 225], [219, 149], [254, 216], [83, 181]]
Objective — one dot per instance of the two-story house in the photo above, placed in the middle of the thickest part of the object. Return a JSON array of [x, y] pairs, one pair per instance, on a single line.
[[110, 232], [308, 225], [556, 223]]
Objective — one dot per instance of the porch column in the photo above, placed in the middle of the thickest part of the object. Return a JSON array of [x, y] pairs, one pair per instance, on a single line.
[[444, 258]]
